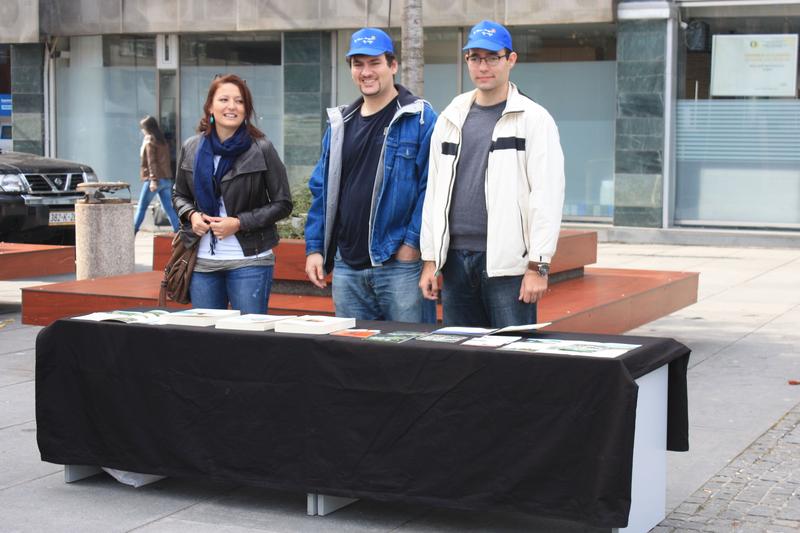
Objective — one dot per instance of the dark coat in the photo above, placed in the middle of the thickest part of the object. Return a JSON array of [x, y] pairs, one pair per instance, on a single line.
[[256, 190]]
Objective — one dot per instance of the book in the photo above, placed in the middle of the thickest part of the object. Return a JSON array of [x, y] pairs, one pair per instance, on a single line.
[[127, 317], [314, 324], [251, 322], [436, 337], [396, 336], [356, 333], [198, 317]]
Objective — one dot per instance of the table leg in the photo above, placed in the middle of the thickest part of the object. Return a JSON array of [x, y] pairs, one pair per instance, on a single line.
[[322, 504], [73, 473], [649, 478]]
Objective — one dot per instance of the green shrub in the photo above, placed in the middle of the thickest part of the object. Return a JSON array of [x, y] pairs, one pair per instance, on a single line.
[[294, 226]]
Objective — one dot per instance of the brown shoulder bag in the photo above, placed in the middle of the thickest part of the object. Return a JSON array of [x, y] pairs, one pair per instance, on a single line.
[[178, 273]]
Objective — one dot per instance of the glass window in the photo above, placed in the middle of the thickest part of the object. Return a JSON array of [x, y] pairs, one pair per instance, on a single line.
[[104, 86], [442, 57], [737, 158], [128, 51], [256, 58], [553, 66]]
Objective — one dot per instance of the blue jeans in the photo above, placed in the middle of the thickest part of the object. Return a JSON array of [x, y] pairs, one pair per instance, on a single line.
[[388, 292], [247, 289], [471, 298], [164, 192]]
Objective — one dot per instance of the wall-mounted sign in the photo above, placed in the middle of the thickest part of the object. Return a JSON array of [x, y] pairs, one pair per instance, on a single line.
[[754, 65], [5, 105]]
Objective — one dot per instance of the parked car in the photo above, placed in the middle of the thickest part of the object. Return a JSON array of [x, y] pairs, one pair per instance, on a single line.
[[37, 197]]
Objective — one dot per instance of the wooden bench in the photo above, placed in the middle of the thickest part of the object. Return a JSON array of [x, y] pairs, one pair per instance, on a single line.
[[19, 260], [580, 299], [576, 249]]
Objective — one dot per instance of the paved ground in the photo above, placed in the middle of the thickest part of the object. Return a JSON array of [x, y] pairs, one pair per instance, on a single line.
[[741, 474], [757, 491]]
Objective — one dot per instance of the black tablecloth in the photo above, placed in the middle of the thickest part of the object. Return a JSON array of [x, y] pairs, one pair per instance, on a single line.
[[424, 422]]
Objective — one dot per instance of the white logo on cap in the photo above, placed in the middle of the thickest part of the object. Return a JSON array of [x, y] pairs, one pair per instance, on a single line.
[[484, 32], [366, 40]]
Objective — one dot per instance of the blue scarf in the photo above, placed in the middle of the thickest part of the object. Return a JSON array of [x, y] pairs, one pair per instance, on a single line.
[[207, 182], [207, 189]]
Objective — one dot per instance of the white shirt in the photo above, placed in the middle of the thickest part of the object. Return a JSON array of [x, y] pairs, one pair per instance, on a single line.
[[227, 248]]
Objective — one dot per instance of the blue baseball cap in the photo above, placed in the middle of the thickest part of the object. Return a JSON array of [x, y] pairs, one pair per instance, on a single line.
[[370, 42], [489, 36]]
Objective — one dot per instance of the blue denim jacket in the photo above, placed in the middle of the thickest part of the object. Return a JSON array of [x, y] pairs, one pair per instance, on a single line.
[[400, 181]]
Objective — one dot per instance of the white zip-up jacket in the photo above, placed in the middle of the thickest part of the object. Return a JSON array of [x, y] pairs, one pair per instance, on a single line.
[[524, 185]]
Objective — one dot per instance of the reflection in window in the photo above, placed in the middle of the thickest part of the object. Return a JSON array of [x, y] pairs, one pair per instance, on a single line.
[[553, 66], [737, 158], [254, 57], [104, 86], [129, 51]]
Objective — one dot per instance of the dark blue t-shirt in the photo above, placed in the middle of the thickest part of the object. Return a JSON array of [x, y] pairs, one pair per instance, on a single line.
[[361, 152]]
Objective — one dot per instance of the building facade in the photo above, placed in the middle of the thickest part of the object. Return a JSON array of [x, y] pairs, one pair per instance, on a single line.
[[672, 114]]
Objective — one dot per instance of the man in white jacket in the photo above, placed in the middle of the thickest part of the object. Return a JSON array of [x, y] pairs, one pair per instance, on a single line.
[[495, 193]]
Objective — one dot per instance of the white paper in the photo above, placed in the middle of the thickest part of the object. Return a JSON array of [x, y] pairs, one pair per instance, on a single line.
[[566, 347], [492, 340], [459, 330], [754, 65], [524, 327]]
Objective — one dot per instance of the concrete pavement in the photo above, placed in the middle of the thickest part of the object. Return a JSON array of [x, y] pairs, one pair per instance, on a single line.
[[744, 336]]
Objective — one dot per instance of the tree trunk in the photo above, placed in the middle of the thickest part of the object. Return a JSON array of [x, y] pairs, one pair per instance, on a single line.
[[412, 45]]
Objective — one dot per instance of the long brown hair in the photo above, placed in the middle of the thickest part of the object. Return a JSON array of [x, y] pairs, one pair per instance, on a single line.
[[247, 98], [150, 126]]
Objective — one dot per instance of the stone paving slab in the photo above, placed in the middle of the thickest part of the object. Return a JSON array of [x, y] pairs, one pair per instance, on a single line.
[[758, 491], [744, 338]]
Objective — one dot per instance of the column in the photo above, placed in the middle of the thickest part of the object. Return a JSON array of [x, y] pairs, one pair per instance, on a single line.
[[642, 102]]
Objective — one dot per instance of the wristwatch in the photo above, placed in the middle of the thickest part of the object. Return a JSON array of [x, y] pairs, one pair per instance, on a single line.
[[543, 269]]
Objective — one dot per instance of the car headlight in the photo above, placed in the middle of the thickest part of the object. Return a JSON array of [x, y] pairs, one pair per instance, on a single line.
[[12, 183], [89, 177]]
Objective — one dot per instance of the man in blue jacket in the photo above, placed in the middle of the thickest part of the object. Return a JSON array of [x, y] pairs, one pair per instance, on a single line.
[[367, 192]]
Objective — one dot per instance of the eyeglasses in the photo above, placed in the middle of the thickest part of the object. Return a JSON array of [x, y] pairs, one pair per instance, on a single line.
[[492, 60]]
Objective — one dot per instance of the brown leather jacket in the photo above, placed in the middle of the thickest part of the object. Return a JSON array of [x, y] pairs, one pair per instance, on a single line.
[[155, 160], [256, 190]]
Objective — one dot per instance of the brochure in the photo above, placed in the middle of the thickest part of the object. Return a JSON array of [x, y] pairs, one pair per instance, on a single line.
[[197, 317], [566, 347], [436, 337], [396, 336], [492, 341], [314, 324], [251, 322], [128, 317], [356, 333]]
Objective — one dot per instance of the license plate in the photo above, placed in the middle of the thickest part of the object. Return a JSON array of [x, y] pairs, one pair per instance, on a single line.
[[62, 218]]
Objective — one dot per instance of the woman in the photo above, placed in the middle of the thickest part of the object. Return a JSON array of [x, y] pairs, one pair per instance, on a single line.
[[230, 190], [156, 171]]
